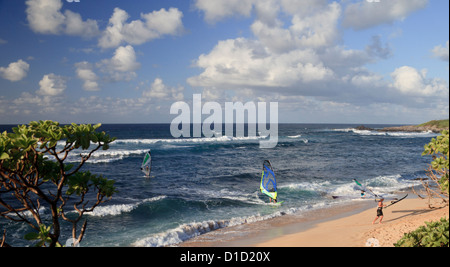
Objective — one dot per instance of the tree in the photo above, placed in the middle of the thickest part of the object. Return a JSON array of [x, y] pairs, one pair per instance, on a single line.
[[436, 186], [34, 178]]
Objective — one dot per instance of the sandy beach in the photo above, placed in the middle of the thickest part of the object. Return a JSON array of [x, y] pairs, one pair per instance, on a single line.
[[349, 226], [357, 229]]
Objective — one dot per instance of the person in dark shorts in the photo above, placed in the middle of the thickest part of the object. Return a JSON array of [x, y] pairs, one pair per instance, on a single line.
[[380, 207]]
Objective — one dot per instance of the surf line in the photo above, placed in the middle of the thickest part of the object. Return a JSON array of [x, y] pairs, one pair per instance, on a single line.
[[256, 116]]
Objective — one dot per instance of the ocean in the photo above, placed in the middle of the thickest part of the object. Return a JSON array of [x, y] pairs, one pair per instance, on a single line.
[[199, 185]]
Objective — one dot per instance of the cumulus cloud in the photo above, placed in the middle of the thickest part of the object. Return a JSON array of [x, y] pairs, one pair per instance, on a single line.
[[281, 56], [86, 73], [410, 81], [122, 65], [15, 71], [52, 85], [217, 10], [158, 90], [45, 16], [365, 14], [237, 63], [296, 54], [152, 25], [441, 52], [315, 30]]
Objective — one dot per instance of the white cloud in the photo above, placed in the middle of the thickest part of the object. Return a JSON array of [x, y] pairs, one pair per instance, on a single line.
[[410, 81], [282, 56], [45, 16], [52, 85], [441, 52], [219, 9], [153, 25], [312, 30], [238, 64], [74, 25], [15, 71], [159, 90], [365, 14], [122, 65], [85, 72], [296, 54], [124, 59]]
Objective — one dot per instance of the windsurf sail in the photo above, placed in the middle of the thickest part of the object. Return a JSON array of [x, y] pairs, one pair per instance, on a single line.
[[146, 166], [396, 201], [364, 188], [268, 184]]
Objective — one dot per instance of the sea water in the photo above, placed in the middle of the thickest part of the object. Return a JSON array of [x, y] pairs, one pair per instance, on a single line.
[[199, 185]]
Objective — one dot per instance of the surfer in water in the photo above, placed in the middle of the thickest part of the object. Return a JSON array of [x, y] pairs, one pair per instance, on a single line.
[[380, 207], [363, 194], [274, 199]]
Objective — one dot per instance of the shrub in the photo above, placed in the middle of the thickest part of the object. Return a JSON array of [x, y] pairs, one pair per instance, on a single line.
[[434, 234]]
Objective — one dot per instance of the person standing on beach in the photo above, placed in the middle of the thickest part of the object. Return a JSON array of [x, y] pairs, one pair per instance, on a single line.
[[379, 211]]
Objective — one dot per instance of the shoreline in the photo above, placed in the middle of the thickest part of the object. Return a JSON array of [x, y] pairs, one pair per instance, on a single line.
[[250, 234], [346, 226]]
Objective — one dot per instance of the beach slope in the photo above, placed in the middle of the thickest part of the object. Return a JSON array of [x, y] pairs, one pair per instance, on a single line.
[[356, 230]]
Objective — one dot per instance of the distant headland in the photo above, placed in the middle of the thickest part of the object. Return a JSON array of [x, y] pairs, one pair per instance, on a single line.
[[435, 126]]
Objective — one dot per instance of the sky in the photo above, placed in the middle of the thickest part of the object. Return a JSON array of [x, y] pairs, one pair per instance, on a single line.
[[117, 61]]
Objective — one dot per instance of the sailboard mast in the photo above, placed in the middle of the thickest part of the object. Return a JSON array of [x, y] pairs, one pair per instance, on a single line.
[[146, 166], [268, 184]]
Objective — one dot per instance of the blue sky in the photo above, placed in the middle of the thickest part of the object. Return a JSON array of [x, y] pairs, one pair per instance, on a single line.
[[117, 61]]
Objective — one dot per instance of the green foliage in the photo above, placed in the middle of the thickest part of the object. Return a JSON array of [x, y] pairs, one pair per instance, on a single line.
[[434, 234], [438, 148], [81, 182], [32, 169], [437, 123], [43, 236]]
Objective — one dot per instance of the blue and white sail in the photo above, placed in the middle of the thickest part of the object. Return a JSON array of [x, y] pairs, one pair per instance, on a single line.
[[268, 184]]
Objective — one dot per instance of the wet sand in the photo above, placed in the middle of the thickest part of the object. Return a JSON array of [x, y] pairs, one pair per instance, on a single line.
[[346, 226]]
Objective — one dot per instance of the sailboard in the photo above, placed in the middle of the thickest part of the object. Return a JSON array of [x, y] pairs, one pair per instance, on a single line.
[[277, 203], [268, 184], [396, 201], [146, 166]]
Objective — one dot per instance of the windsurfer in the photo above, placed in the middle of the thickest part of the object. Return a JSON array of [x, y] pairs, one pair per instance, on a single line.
[[274, 199], [363, 194]]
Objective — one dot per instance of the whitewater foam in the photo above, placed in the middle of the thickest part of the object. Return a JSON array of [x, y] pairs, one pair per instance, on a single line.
[[114, 210], [394, 134], [190, 230], [188, 140]]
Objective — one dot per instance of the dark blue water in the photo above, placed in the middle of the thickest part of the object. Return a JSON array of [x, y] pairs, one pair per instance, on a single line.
[[202, 184]]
